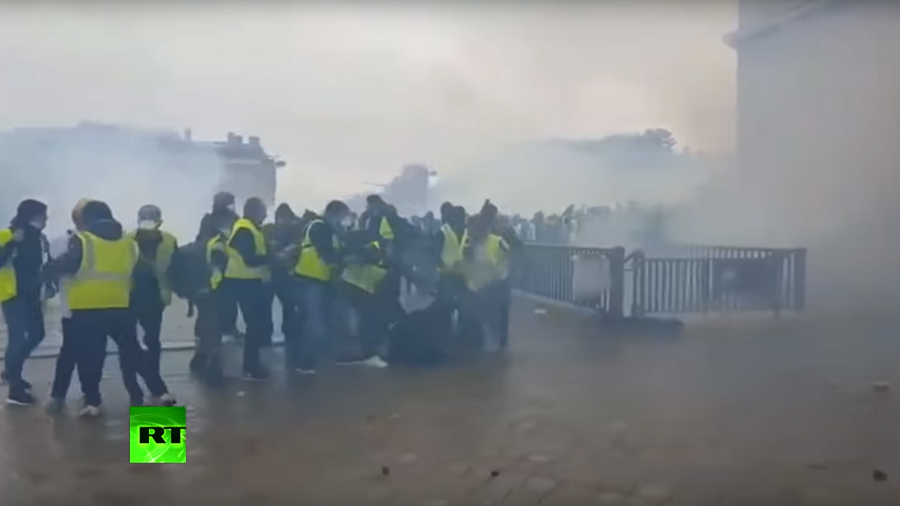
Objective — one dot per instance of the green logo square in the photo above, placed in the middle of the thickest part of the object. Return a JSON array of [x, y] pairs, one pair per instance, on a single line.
[[157, 434]]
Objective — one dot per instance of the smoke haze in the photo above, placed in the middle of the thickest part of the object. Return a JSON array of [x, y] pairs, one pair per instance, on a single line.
[[348, 94]]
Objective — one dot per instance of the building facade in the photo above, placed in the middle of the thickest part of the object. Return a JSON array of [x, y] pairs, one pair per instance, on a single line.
[[818, 121]]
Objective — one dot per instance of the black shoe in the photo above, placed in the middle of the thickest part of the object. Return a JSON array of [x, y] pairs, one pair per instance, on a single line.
[[256, 375], [4, 379], [19, 397]]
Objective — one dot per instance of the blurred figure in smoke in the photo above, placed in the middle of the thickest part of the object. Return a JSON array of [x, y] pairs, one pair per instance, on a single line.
[[21, 258], [246, 283], [485, 267], [151, 292], [282, 238], [222, 216], [452, 286]]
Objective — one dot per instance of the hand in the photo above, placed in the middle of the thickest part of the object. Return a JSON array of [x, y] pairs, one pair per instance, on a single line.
[[18, 235]]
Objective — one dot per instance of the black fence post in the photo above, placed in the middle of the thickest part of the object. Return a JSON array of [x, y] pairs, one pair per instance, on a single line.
[[616, 308]]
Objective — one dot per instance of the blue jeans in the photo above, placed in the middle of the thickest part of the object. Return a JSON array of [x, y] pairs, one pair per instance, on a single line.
[[317, 306], [25, 328]]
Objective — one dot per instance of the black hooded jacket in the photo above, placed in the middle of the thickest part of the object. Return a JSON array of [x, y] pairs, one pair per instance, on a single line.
[[29, 254]]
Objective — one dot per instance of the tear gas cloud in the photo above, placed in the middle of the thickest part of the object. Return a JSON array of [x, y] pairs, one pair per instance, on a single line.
[[349, 94]]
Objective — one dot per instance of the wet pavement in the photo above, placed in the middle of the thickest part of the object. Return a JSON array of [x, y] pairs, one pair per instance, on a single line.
[[775, 414]]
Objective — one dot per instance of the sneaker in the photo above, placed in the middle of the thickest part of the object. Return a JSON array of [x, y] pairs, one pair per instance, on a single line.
[[89, 411], [350, 360], [20, 398], [257, 375], [305, 372], [55, 406], [165, 399], [375, 361]]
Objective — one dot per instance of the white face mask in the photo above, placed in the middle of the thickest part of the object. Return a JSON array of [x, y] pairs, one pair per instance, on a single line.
[[147, 225], [347, 223], [39, 225], [230, 207]]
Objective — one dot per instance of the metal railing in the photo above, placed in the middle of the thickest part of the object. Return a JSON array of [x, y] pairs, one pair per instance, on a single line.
[[694, 279], [548, 271]]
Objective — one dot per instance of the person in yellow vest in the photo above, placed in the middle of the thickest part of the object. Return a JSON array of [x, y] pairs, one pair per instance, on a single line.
[[244, 281], [21, 258], [97, 273], [452, 287], [485, 265], [501, 226], [208, 329], [318, 265], [365, 270], [152, 293], [67, 358]]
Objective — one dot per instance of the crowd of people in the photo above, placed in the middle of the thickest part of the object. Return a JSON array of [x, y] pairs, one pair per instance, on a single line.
[[341, 280], [629, 225]]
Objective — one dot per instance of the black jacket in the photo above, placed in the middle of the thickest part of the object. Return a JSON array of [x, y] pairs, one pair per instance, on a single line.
[[28, 259]]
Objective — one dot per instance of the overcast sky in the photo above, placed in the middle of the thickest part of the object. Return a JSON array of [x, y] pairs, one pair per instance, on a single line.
[[349, 94]]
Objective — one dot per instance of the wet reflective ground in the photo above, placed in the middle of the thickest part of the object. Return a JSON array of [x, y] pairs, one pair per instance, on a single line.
[[778, 414]]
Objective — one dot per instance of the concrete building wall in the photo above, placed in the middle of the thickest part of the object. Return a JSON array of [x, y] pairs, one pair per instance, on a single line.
[[819, 130]]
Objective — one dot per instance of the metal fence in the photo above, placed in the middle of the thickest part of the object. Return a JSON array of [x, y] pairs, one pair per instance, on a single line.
[[693, 279]]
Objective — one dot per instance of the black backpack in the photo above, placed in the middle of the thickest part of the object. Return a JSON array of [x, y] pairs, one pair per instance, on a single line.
[[189, 273]]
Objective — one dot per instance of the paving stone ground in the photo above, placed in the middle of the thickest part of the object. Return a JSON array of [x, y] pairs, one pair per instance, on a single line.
[[765, 415]]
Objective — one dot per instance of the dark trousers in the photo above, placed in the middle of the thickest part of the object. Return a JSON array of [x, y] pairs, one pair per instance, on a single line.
[[150, 317], [208, 325], [282, 289], [69, 357], [250, 295], [25, 327], [504, 294], [373, 318]]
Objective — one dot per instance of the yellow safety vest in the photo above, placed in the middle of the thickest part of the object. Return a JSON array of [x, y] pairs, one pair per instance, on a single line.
[[8, 287], [366, 277], [310, 264], [103, 280], [452, 254], [480, 272], [236, 268], [217, 243], [385, 230], [161, 264]]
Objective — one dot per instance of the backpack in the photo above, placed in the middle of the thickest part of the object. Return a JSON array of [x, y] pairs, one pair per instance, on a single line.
[[189, 273]]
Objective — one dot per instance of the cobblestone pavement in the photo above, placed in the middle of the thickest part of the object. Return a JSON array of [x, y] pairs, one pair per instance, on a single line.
[[782, 414]]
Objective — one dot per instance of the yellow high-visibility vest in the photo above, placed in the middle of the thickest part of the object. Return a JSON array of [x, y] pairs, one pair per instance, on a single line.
[[161, 264], [310, 264], [103, 280], [452, 253], [385, 230], [488, 263], [217, 243], [236, 268], [366, 277], [8, 287]]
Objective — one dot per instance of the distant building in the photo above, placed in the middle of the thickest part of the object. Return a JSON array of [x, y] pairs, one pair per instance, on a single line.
[[244, 168], [817, 84]]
